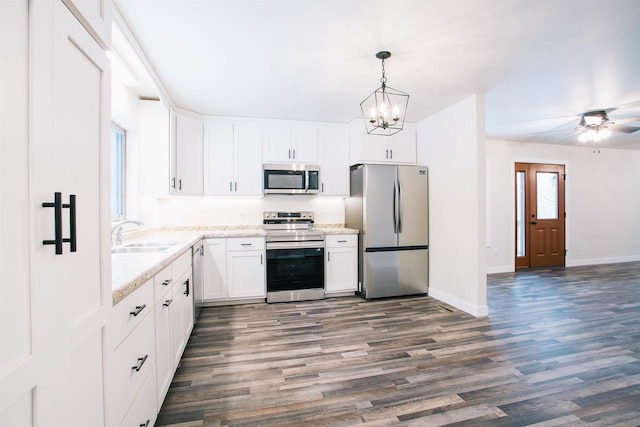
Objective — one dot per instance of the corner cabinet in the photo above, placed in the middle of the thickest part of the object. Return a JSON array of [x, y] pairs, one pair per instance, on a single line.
[[398, 149], [154, 140], [341, 264], [56, 300], [232, 159], [188, 177]]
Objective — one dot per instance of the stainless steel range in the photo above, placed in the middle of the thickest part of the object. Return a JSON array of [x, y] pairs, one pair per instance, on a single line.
[[295, 257]]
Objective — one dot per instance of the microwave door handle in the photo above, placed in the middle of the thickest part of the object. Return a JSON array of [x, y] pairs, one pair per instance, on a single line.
[[306, 181]]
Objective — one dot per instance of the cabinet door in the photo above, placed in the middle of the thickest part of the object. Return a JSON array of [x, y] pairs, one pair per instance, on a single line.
[[189, 164], [341, 269], [403, 146], [219, 170], [305, 144], [277, 141], [334, 162], [246, 274], [182, 316], [164, 353], [69, 154], [153, 139], [22, 358], [248, 160], [215, 269], [95, 16]]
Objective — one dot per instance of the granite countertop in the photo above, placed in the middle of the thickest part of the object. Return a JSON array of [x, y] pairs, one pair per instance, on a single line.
[[130, 271]]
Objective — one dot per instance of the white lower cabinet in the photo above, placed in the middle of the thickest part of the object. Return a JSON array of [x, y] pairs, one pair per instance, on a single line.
[[132, 362], [149, 330], [234, 269], [341, 264]]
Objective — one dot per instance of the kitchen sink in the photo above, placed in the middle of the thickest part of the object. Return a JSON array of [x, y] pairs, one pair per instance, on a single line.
[[138, 249]]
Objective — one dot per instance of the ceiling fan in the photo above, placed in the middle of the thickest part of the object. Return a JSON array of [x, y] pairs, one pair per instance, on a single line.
[[595, 125]]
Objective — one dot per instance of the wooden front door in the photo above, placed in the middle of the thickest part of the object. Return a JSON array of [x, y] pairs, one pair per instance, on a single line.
[[540, 215]]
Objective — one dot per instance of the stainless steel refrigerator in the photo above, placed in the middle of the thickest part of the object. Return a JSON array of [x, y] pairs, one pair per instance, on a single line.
[[389, 205]]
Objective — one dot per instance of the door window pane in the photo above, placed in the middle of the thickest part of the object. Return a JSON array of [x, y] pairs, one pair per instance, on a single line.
[[520, 251], [547, 195]]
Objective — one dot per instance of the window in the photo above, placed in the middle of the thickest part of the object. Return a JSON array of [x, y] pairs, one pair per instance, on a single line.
[[118, 137]]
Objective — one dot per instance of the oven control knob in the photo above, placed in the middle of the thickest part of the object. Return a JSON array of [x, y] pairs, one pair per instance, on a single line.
[[273, 214]]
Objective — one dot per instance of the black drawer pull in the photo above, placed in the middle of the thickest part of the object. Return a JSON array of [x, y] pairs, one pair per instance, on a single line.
[[186, 283], [141, 361], [167, 303], [166, 282], [139, 308], [342, 241], [246, 244], [145, 424]]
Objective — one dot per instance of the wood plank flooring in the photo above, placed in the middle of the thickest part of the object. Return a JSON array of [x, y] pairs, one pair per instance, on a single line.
[[561, 346]]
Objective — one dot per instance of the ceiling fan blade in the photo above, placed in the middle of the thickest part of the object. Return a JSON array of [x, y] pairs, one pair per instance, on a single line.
[[623, 120], [551, 131], [625, 129]]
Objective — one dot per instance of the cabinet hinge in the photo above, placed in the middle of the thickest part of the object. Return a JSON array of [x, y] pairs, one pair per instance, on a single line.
[[565, 215], [564, 176], [565, 252]]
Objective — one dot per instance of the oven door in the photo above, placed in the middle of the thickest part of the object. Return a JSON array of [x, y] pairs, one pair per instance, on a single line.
[[294, 268]]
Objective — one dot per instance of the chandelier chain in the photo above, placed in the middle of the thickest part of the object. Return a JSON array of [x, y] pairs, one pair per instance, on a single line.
[[383, 79]]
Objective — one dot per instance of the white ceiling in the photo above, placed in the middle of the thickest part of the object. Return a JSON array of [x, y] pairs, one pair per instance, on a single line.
[[540, 63]]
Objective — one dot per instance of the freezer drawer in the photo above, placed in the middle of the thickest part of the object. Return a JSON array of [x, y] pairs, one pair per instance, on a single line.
[[395, 273]]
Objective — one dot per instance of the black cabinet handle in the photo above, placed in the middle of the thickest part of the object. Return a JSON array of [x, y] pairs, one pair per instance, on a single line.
[[57, 206], [166, 282], [145, 424], [180, 184], [173, 182], [167, 303], [186, 283], [138, 309], [141, 361]]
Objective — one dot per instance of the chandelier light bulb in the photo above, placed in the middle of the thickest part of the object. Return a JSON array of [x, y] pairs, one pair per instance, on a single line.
[[604, 133]]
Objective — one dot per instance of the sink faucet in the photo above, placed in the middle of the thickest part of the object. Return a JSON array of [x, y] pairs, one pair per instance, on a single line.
[[117, 228]]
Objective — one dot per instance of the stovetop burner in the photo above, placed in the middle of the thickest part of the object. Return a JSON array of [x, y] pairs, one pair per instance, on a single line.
[[290, 226]]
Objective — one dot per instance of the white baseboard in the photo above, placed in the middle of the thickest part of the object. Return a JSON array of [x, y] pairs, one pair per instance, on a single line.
[[500, 269], [594, 261], [474, 310]]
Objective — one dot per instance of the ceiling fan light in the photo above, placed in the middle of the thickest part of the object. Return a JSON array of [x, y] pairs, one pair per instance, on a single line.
[[604, 133], [583, 137], [593, 120]]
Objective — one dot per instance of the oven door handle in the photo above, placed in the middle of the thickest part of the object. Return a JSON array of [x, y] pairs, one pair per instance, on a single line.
[[295, 245]]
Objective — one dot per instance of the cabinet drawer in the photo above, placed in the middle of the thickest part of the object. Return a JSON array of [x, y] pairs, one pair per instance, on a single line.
[[342, 240], [132, 363], [180, 265], [144, 410], [129, 312], [245, 244], [162, 283]]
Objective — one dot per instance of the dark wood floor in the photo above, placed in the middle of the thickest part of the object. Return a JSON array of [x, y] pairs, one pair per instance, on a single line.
[[560, 347]]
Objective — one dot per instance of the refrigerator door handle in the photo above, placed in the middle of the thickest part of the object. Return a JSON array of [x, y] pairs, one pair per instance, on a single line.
[[395, 208], [400, 207]]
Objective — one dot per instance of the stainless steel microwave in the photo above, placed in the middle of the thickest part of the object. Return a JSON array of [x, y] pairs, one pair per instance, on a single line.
[[291, 179]]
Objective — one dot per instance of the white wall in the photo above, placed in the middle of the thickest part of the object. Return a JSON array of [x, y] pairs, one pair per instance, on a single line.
[[451, 144], [602, 194]]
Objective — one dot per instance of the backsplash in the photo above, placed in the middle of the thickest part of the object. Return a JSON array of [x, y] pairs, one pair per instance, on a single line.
[[178, 211]]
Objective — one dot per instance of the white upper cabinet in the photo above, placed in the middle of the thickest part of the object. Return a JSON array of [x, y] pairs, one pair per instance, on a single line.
[[188, 178], [397, 149], [290, 144], [232, 159], [154, 141], [333, 156]]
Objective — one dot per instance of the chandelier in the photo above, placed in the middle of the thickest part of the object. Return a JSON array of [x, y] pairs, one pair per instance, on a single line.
[[594, 126], [385, 109]]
